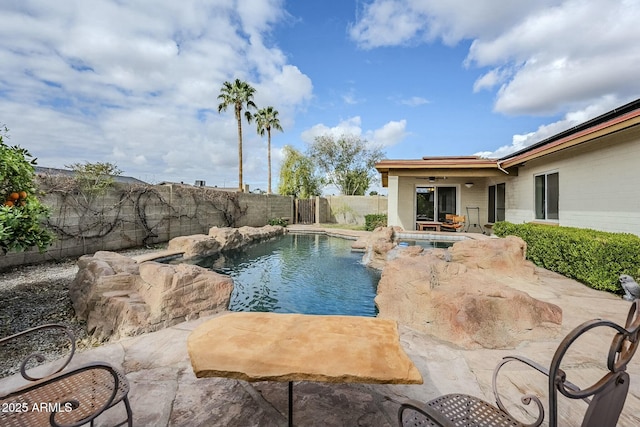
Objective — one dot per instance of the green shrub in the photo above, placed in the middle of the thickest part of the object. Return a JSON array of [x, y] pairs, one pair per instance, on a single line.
[[278, 221], [373, 221], [595, 258]]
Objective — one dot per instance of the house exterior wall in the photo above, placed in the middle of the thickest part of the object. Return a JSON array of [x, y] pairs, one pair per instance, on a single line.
[[599, 186], [402, 199]]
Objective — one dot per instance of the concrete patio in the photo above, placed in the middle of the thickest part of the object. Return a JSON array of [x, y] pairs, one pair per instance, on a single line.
[[165, 392]]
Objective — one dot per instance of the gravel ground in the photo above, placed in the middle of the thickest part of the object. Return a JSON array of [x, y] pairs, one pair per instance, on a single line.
[[35, 295]]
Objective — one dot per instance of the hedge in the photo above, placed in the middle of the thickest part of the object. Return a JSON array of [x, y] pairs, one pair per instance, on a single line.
[[373, 221], [595, 258]]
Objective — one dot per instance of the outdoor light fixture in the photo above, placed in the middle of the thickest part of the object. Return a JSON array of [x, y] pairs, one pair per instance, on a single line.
[[432, 179], [468, 184]]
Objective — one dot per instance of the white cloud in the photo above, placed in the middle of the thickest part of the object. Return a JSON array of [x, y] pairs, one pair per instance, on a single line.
[[542, 57], [137, 85], [389, 134], [414, 101], [570, 120], [351, 126]]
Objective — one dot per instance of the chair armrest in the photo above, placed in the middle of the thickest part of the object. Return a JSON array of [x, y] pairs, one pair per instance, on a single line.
[[526, 398], [36, 356], [68, 399]]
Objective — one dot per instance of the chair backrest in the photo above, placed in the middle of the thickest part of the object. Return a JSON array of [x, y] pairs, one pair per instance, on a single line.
[[610, 392]]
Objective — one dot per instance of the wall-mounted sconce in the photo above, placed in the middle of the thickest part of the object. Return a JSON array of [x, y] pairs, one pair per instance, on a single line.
[[468, 184], [432, 179]]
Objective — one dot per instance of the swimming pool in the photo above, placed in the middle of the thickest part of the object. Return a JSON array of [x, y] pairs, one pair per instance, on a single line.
[[299, 273], [428, 241]]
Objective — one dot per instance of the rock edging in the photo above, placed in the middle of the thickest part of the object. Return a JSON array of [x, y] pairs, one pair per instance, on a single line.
[[467, 295], [119, 297]]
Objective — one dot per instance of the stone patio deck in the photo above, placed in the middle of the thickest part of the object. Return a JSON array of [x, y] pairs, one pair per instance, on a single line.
[[165, 391]]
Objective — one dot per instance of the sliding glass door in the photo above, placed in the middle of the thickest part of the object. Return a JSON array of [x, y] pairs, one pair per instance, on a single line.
[[434, 203]]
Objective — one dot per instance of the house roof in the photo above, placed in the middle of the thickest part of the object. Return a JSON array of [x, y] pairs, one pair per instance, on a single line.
[[621, 118], [65, 172]]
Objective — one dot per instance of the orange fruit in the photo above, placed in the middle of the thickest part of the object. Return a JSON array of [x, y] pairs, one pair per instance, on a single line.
[[23, 194], [14, 196], [8, 203]]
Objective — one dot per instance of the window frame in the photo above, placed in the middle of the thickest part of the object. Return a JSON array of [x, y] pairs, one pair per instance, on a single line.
[[497, 206], [541, 208]]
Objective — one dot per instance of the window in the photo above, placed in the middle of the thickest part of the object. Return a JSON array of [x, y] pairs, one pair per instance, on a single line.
[[496, 203], [547, 192]]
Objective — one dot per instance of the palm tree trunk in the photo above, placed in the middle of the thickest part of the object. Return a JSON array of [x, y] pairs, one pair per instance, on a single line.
[[239, 118], [269, 157]]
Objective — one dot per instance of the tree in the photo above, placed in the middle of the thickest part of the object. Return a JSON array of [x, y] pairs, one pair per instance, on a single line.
[[267, 119], [21, 213], [297, 175], [238, 94], [346, 162], [94, 178]]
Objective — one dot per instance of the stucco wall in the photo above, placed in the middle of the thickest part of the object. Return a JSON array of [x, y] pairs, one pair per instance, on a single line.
[[599, 186], [402, 199]]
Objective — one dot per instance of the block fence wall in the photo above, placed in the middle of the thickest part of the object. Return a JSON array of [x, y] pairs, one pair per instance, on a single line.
[[128, 217], [350, 209]]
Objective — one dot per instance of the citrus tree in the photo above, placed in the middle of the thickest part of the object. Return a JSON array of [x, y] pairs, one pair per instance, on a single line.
[[21, 212]]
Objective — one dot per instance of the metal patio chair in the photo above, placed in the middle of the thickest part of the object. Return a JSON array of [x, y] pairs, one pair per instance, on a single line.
[[72, 397], [605, 397]]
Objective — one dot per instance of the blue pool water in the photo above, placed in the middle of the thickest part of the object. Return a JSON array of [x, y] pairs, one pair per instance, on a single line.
[[299, 273]]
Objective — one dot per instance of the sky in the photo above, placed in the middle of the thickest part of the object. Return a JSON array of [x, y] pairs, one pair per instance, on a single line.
[[135, 82]]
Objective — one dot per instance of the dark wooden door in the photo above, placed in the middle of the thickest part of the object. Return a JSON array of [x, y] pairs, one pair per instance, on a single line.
[[305, 211]]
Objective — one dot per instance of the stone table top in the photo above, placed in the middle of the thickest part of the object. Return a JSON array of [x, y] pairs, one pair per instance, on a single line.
[[296, 347]]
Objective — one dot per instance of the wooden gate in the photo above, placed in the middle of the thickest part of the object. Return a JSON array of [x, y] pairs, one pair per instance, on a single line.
[[305, 211]]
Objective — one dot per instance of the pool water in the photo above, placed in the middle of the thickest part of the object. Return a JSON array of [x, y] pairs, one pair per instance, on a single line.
[[299, 273], [426, 244]]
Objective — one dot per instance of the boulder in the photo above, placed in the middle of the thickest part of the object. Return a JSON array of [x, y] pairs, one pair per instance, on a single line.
[[118, 297], [99, 273], [377, 244], [195, 245], [221, 239], [467, 295], [148, 297], [228, 238]]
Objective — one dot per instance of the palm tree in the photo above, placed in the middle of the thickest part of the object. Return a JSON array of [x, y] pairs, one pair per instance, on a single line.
[[240, 95], [267, 119]]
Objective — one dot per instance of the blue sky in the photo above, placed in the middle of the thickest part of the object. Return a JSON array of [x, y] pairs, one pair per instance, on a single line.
[[135, 83]]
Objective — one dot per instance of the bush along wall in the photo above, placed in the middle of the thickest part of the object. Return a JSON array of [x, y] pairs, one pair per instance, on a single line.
[[373, 221], [595, 258]]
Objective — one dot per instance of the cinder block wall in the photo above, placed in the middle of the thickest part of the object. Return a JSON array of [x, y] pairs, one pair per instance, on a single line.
[[352, 209], [128, 217]]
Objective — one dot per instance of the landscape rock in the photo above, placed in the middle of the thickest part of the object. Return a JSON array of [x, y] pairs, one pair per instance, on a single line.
[[467, 295], [118, 297], [194, 245], [377, 245], [160, 295], [222, 239]]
